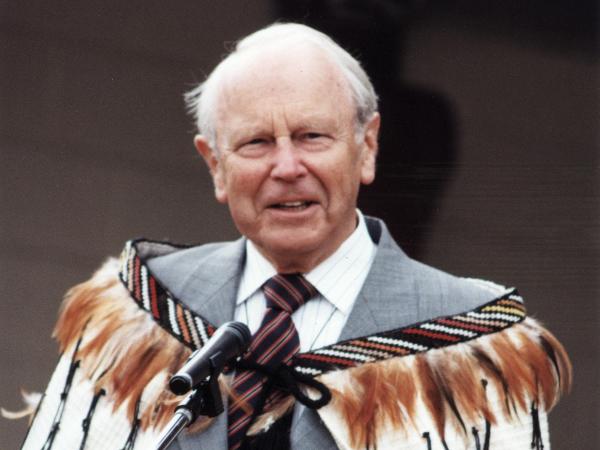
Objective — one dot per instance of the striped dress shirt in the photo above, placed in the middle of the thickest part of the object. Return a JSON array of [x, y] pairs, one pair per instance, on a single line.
[[338, 279]]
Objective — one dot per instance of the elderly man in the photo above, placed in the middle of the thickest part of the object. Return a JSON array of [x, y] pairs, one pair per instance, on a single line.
[[354, 344]]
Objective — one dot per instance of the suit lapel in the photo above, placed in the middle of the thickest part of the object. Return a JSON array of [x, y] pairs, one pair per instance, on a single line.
[[389, 297], [211, 287]]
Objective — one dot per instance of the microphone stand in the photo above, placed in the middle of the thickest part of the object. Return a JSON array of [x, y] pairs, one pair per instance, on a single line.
[[205, 400]]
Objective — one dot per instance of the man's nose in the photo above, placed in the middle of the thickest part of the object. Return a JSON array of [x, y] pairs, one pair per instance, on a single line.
[[287, 161]]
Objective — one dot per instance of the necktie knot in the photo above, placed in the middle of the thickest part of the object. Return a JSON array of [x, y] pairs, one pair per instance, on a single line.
[[287, 292]]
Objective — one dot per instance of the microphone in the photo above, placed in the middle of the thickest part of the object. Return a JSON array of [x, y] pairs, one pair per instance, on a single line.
[[229, 341]]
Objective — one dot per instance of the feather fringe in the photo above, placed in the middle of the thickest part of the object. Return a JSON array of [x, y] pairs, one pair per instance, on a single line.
[[127, 354], [523, 364], [123, 350], [31, 400]]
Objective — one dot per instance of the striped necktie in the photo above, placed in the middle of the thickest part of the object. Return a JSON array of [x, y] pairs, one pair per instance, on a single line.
[[275, 342]]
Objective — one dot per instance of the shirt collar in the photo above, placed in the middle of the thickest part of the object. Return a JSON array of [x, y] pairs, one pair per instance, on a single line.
[[356, 251], [257, 271]]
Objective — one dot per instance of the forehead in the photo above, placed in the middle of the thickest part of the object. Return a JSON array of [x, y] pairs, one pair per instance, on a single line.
[[299, 81]]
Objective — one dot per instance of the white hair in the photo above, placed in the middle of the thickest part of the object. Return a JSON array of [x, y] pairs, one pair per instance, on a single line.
[[202, 100]]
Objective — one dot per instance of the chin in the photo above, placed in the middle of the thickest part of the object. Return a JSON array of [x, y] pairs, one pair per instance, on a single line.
[[293, 246], [299, 253]]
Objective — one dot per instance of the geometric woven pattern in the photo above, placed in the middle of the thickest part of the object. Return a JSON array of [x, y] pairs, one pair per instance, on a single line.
[[193, 330], [435, 333], [173, 316]]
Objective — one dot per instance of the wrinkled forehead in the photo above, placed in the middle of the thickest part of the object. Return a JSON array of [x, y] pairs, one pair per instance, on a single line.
[[281, 73]]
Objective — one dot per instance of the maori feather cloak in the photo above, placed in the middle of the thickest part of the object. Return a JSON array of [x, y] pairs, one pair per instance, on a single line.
[[483, 379]]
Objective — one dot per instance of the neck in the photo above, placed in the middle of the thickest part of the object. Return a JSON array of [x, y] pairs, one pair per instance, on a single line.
[[286, 263]]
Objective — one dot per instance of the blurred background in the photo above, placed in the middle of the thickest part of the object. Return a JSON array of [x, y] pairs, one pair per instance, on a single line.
[[488, 167]]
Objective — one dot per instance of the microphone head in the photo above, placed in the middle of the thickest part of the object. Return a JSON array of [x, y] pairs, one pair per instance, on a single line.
[[242, 333], [228, 342], [180, 384]]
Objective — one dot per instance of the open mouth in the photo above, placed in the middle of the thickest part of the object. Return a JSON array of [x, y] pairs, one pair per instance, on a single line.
[[298, 205]]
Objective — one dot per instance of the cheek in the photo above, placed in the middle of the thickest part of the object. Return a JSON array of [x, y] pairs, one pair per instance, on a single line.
[[338, 172], [343, 184], [243, 186], [350, 173]]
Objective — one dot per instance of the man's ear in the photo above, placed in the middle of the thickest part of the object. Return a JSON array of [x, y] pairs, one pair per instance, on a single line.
[[370, 147], [214, 166]]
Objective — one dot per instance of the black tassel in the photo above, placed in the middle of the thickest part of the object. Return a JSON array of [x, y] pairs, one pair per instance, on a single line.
[[452, 403], [88, 419], [134, 428], [426, 436], [488, 363], [63, 399], [488, 432], [536, 440], [488, 426], [476, 436]]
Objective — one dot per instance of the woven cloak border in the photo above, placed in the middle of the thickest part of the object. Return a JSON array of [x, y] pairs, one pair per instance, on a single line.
[[194, 331]]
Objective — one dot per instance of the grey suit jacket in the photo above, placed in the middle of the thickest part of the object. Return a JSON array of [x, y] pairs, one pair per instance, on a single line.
[[398, 291]]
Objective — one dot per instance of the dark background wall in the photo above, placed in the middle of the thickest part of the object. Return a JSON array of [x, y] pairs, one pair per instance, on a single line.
[[489, 167]]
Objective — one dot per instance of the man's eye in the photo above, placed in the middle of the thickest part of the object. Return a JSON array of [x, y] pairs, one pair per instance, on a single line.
[[256, 141], [314, 140], [254, 147], [312, 135]]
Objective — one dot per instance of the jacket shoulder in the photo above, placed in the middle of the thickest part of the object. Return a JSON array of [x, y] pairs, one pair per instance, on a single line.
[[438, 293], [442, 293]]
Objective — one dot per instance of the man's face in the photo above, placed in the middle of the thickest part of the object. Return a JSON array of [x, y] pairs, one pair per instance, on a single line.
[[289, 164]]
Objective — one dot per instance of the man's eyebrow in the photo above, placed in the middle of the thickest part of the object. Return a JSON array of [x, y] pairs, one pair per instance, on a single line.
[[319, 122], [246, 132]]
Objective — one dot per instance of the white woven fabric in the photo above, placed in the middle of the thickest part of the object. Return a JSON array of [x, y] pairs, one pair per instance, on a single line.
[[108, 431]]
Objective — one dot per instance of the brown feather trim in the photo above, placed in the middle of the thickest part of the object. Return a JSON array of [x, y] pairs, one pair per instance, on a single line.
[[123, 350], [558, 355], [365, 413], [491, 371], [431, 393], [523, 363], [519, 378], [458, 387]]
